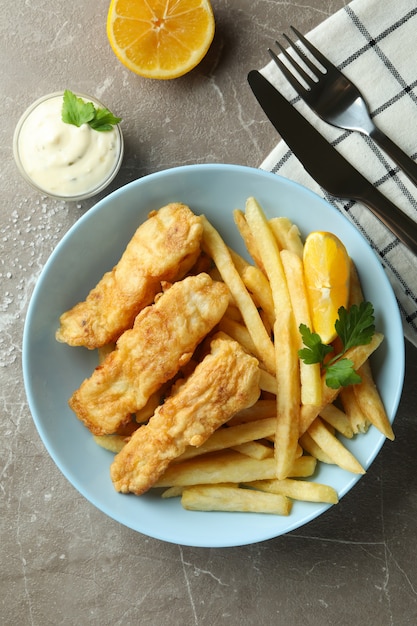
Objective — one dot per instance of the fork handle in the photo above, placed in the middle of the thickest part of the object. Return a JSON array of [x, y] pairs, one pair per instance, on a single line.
[[405, 163]]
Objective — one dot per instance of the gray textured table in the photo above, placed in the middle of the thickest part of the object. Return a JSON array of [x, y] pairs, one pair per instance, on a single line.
[[61, 560]]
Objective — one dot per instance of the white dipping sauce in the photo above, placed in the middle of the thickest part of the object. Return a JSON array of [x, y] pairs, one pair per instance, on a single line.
[[62, 159]]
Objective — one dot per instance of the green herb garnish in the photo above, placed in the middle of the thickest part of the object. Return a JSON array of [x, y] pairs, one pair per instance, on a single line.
[[78, 112], [355, 327]]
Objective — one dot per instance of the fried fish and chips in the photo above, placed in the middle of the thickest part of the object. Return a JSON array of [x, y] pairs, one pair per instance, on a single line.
[[200, 389]]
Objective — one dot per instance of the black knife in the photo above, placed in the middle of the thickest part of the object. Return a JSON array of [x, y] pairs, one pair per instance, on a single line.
[[325, 164]]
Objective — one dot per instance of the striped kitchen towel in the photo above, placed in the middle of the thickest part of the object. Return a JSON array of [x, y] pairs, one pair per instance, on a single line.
[[374, 43]]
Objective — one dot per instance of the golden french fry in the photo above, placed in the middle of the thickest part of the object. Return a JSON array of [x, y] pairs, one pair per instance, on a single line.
[[259, 288], [288, 394], [269, 253], [226, 498], [232, 436], [172, 492], [217, 249], [299, 490], [287, 362], [310, 375], [239, 333], [310, 446], [257, 284], [260, 410], [367, 395], [268, 382], [370, 402], [334, 448], [358, 355], [254, 449], [338, 419], [357, 419], [113, 443], [287, 235], [247, 236], [221, 467], [303, 467]]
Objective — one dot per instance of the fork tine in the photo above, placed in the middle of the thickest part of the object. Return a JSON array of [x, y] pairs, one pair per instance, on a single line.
[[301, 54], [313, 50], [292, 61], [287, 73]]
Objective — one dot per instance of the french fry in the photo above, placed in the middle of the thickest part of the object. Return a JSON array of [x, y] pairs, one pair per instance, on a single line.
[[217, 249], [268, 382], [221, 467], [287, 362], [299, 490], [226, 498], [310, 374], [357, 419], [247, 236], [239, 333], [334, 448], [254, 449], [260, 410], [258, 286], [172, 492], [288, 394], [287, 235], [303, 467], [113, 443], [310, 446], [358, 355], [366, 393], [370, 402], [338, 419], [232, 436]]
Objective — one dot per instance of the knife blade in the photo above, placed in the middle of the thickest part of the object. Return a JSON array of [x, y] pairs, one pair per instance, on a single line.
[[325, 164]]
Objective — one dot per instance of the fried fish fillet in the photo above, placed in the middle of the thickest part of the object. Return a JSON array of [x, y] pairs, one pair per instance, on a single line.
[[225, 382], [162, 340], [163, 248]]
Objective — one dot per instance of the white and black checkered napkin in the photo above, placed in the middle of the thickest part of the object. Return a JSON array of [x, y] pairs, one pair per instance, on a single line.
[[374, 42]]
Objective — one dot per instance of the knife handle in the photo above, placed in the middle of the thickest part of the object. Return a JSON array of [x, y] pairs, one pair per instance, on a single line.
[[405, 163], [399, 223]]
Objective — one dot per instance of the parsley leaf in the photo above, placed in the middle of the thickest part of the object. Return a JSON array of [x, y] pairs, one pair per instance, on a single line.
[[78, 112], [104, 120], [315, 351], [341, 373], [75, 110], [355, 327]]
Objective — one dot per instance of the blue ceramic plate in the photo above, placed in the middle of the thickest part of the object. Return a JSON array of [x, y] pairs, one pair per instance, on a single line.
[[52, 371]]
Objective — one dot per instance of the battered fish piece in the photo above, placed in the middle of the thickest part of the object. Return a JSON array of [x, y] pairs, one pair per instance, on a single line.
[[226, 381], [164, 248], [162, 340]]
